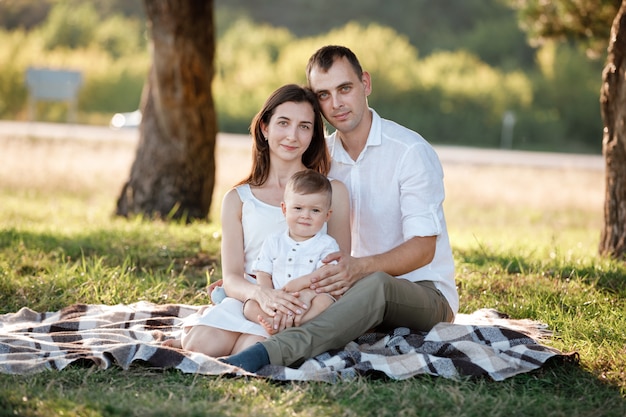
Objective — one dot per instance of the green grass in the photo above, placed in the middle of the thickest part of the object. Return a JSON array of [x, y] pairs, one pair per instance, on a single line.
[[58, 248]]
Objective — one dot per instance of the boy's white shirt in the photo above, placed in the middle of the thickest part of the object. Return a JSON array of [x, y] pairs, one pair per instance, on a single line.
[[286, 259]]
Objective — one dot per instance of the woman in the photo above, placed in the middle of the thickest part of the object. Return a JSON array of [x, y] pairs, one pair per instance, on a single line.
[[288, 135]]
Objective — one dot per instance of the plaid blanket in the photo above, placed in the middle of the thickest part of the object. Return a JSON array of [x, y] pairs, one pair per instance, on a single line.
[[103, 335]]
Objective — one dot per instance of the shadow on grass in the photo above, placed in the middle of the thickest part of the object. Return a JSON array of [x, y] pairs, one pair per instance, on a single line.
[[602, 273], [555, 390], [115, 248]]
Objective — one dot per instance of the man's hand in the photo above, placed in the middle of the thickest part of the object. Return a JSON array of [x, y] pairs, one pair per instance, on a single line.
[[338, 275], [336, 279]]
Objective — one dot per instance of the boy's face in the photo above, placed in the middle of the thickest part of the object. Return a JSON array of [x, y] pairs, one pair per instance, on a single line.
[[305, 214]]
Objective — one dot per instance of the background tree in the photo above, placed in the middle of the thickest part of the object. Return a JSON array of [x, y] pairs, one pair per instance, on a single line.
[[173, 174], [613, 104], [589, 21]]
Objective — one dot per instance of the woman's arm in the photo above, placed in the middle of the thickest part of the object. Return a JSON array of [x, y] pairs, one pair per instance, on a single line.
[[339, 222], [233, 274], [264, 279], [251, 309]]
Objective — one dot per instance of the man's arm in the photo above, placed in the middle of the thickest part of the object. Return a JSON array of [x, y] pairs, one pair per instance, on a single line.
[[410, 255]]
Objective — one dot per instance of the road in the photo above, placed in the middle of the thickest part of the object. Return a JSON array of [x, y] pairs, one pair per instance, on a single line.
[[447, 154]]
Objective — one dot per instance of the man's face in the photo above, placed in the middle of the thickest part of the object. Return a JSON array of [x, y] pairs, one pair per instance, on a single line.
[[341, 94]]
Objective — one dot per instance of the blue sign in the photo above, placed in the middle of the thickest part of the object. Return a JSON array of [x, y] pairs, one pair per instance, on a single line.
[[48, 84]]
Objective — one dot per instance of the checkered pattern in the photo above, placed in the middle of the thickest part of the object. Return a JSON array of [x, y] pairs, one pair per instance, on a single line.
[[121, 335]]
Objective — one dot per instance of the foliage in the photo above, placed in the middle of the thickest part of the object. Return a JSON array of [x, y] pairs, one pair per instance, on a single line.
[[453, 93], [111, 56], [120, 37], [70, 26], [588, 22], [28, 14], [471, 96], [449, 97], [23, 14], [244, 74], [13, 92], [429, 25]]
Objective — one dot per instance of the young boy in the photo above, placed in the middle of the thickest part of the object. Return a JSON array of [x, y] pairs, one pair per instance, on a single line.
[[287, 257]]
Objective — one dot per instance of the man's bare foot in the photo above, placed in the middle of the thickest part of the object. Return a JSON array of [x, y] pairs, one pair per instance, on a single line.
[[175, 343], [267, 325]]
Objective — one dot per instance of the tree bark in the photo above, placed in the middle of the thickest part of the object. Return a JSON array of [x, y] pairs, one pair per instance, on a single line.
[[613, 106], [173, 174]]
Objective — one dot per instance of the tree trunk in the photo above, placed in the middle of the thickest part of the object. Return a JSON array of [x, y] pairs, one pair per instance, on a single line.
[[613, 106], [173, 174]]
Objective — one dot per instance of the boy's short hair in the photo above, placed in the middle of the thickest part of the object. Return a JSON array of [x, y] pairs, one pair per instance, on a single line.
[[310, 182]]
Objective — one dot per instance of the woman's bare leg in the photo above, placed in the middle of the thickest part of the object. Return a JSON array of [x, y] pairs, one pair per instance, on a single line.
[[175, 343], [209, 340], [245, 341]]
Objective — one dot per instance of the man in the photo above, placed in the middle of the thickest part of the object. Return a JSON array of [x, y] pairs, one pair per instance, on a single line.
[[401, 270]]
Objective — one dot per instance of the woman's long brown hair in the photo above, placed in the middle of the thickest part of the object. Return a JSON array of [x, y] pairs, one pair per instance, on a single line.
[[316, 156]]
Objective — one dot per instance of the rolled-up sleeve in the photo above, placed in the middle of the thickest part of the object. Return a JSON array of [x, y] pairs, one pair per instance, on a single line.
[[421, 193], [264, 261]]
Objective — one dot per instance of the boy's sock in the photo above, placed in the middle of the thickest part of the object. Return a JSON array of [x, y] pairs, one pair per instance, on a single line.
[[251, 359]]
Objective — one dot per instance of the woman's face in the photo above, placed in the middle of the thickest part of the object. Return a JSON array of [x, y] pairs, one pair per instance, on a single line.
[[290, 130]]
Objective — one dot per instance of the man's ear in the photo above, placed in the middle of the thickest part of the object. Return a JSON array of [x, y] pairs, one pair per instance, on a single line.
[[366, 79]]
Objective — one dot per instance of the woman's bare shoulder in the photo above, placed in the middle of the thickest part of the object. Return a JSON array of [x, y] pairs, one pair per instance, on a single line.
[[338, 185]]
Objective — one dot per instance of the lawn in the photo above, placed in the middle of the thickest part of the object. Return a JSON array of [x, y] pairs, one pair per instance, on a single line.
[[525, 242]]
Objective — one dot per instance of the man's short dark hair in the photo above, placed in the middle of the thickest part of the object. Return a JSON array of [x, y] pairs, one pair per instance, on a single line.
[[326, 56]]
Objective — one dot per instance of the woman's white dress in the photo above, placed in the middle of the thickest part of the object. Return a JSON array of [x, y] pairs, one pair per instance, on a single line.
[[259, 220]]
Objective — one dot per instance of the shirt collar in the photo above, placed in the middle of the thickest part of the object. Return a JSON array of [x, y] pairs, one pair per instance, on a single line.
[[374, 138], [303, 242]]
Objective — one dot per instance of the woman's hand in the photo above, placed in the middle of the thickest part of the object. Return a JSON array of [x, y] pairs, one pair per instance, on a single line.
[[274, 302], [283, 321]]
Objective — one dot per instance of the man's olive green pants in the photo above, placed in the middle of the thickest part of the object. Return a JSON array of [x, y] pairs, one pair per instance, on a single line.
[[378, 300]]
